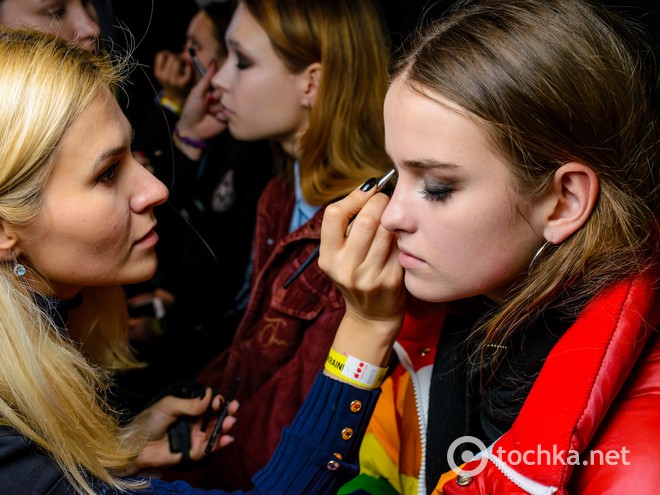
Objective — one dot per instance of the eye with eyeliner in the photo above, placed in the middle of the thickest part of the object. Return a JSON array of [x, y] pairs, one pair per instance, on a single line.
[[434, 191], [242, 62]]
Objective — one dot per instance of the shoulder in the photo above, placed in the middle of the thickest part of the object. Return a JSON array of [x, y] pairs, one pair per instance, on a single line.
[[20, 461], [625, 454]]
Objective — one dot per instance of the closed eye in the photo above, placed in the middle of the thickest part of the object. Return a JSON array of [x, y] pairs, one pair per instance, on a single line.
[[437, 193]]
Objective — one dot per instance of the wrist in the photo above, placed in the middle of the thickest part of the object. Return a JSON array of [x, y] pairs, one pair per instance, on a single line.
[[355, 371], [170, 104], [186, 137], [189, 151], [369, 340]]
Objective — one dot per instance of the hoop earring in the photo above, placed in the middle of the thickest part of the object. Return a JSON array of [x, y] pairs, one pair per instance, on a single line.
[[536, 256], [19, 269]]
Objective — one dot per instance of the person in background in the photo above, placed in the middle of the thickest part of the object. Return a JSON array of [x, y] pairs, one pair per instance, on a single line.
[[72, 20], [310, 77], [214, 188]]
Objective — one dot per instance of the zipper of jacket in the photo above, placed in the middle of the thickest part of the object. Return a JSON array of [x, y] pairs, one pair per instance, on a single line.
[[405, 361], [530, 486]]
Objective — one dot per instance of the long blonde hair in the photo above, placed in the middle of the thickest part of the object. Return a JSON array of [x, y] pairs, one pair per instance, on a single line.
[[51, 384], [344, 143], [555, 81]]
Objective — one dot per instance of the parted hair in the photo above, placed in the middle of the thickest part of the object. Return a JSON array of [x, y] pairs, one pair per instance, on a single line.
[[552, 82], [344, 143], [53, 383]]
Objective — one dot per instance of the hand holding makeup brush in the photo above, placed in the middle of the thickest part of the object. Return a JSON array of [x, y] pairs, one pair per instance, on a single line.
[[364, 265]]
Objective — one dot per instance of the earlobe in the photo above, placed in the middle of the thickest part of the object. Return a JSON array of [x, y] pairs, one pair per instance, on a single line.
[[7, 243], [312, 80], [575, 189]]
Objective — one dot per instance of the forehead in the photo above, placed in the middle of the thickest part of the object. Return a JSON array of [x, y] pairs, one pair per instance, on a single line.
[[200, 24], [246, 31], [420, 122]]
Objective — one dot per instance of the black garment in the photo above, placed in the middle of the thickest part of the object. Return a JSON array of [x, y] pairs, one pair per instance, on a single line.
[[482, 402], [58, 310], [20, 460]]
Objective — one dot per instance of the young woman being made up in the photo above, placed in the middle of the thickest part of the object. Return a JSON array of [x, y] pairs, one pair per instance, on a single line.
[[525, 134]]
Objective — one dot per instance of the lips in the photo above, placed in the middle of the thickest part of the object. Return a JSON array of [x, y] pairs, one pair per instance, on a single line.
[[409, 261], [150, 233]]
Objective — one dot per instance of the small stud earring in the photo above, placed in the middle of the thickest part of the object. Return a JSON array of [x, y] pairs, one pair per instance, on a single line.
[[19, 268]]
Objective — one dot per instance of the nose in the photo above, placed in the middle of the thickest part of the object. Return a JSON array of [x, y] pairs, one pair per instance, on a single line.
[[149, 191], [86, 28], [220, 79], [397, 217]]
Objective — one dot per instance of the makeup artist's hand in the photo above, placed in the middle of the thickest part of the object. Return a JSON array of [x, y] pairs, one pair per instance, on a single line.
[[364, 265], [201, 117], [174, 75], [150, 428]]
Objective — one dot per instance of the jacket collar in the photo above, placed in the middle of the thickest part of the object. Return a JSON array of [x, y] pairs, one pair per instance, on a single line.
[[593, 359]]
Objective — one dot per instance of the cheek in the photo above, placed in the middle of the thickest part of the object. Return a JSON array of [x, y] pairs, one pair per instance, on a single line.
[[476, 253]]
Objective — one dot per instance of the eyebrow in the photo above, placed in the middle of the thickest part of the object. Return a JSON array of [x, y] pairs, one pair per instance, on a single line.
[[109, 153], [428, 164]]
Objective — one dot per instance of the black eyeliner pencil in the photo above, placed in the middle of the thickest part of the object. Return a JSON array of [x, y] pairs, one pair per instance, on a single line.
[[221, 417], [198, 65], [315, 254]]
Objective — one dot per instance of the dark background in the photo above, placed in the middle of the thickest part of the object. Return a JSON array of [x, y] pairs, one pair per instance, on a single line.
[[157, 24]]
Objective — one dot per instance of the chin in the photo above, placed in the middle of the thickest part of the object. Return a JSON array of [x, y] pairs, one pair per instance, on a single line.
[[142, 274], [427, 291]]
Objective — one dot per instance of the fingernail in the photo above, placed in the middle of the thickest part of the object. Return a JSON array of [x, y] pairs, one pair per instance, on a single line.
[[368, 184]]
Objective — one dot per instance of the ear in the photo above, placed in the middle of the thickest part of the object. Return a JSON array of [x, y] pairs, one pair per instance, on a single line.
[[574, 193], [311, 78], [8, 240]]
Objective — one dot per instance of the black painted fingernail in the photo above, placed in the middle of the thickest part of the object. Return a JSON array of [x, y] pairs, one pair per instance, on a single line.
[[369, 184]]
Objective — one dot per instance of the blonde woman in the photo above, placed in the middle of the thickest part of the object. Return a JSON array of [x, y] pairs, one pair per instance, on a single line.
[[76, 222]]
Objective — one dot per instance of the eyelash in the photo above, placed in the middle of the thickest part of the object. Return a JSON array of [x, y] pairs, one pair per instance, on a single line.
[[108, 175], [57, 13], [242, 62], [438, 193]]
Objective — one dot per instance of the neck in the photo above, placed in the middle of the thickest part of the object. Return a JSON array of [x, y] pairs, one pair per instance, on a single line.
[[292, 143]]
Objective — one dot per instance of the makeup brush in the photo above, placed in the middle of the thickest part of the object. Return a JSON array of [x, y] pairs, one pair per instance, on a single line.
[[315, 254], [198, 65]]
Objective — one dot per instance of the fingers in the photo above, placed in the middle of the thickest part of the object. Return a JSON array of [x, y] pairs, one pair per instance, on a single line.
[[362, 237], [202, 86], [171, 71], [175, 406], [337, 217], [199, 439]]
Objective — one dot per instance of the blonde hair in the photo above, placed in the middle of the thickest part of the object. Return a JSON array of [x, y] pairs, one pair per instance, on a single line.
[[344, 143], [555, 81], [52, 384]]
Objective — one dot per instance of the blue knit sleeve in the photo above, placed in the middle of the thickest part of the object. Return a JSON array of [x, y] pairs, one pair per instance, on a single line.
[[317, 453]]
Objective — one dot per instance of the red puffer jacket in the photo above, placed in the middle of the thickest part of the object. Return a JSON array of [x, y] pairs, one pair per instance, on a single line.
[[598, 394]]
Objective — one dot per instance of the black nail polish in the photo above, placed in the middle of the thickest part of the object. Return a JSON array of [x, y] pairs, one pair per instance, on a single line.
[[368, 184]]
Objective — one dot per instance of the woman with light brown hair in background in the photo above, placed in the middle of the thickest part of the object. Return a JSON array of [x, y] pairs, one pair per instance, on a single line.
[[311, 77]]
